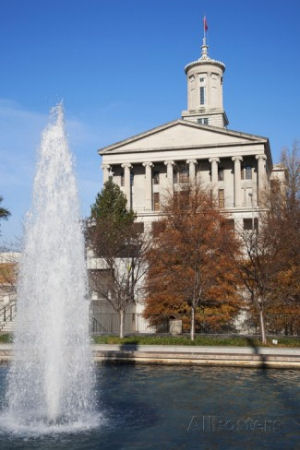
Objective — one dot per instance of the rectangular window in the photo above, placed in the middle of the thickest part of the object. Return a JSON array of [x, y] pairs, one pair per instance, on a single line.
[[157, 228], [138, 227], [202, 95], [183, 174], [175, 175], [156, 202], [203, 120], [230, 223], [220, 174], [182, 199], [246, 173], [155, 177], [250, 224], [221, 198]]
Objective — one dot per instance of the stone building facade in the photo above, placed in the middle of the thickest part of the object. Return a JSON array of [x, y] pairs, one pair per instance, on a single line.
[[236, 166]]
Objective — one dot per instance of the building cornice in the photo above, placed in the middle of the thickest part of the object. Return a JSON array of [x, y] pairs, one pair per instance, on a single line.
[[188, 147], [219, 130], [202, 62]]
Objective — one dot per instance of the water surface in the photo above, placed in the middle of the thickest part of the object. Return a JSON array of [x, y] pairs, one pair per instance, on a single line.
[[184, 408]]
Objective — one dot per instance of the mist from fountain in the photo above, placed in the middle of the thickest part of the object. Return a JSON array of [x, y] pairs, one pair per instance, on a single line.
[[51, 379]]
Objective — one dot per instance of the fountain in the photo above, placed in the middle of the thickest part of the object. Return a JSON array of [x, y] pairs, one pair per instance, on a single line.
[[51, 379]]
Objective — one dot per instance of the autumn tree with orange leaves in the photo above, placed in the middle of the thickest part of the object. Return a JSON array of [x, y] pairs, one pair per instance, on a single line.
[[269, 266], [190, 270], [282, 227]]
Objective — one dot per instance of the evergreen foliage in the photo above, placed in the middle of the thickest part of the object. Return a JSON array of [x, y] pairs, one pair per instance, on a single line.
[[4, 213], [111, 204]]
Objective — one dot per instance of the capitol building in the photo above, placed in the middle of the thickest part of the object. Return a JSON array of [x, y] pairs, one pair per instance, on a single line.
[[197, 147]]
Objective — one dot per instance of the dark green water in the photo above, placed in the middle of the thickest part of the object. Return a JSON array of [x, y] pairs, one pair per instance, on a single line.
[[183, 408]]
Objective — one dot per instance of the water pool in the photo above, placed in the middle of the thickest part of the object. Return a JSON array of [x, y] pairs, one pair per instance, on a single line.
[[171, 407]]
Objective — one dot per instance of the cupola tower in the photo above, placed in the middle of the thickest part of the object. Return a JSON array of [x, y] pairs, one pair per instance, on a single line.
[[205, 90]]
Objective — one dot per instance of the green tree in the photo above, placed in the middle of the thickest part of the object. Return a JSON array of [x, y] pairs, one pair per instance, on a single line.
[[4, 213], [118, 244], [110, 204]]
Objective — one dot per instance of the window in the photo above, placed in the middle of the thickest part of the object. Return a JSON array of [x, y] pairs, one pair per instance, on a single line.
[[122, 178], [183, 174], [220, 173], [182, 199], [156, 202], [221, 198], [157, 228], [203, 120], [156, 177], [230, 224], [246, 173], [202, 95], [138, 227], [250, 223], [201, 80], [175, 175]]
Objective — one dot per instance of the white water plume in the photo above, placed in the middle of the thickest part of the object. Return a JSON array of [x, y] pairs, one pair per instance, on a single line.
[[50, 383]]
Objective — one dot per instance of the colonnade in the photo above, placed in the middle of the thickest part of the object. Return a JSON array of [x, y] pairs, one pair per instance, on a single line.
[[192, 164]]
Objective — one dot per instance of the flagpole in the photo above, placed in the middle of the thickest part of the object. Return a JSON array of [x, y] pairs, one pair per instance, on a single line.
[[204, 29]]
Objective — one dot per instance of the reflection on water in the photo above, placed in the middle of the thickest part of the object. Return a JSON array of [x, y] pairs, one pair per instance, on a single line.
[[170, 407]]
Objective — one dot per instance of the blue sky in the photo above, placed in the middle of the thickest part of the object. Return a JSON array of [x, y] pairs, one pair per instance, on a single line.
[[118, 66]]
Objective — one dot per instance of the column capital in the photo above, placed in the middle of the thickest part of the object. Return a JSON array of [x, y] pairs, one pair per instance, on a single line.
[[263, 157], [237, 158], [191, 161], [105, 166], [126, 165], [171, 162], [214, 159], [148, 164]]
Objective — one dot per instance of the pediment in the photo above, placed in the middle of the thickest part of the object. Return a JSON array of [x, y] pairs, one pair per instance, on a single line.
[[180, 134]]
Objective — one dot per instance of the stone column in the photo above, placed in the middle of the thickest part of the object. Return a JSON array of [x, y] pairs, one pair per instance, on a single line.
[[237, 180], [192, 170], [127, 183], [261, 175], [170, 165], [106, 171], [148, 185], [214, 175]]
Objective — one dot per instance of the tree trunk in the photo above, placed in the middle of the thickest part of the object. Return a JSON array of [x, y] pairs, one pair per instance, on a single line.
[[192, 323], [121, 323], [262, 326]]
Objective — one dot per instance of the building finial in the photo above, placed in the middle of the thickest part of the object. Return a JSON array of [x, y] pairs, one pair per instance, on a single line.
[[204, 46]]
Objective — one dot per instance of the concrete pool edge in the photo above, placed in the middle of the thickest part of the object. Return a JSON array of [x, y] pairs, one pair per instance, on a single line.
[[263, 357]]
